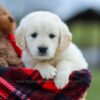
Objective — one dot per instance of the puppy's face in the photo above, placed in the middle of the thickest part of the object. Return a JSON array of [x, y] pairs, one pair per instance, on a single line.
[[42, 33], [42, 39]]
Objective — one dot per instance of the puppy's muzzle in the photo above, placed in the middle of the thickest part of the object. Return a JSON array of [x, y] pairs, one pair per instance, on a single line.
[[42, 50]]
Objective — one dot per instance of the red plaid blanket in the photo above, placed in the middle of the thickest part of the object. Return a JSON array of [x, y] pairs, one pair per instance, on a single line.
[[27, 84]]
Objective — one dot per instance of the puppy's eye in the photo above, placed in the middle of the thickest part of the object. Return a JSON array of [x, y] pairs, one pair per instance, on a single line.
[[34, 35], [52, 36]]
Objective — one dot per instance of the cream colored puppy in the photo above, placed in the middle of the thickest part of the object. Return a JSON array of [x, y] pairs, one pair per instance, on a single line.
[[47, 47]]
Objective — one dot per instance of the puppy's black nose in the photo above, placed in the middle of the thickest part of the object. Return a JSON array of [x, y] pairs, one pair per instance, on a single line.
[[42, 50]]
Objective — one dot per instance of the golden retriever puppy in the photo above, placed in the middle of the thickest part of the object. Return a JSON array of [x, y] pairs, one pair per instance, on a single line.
[[46, 44]]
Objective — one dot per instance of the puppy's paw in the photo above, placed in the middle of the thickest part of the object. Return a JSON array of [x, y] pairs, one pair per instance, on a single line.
[[61, 80], [46, 71]]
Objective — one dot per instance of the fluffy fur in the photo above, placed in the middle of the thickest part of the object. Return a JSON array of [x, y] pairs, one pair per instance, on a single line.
[[62, 56], [8, 56]]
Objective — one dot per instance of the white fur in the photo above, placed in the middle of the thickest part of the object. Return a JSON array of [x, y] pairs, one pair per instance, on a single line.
[[68, 59]]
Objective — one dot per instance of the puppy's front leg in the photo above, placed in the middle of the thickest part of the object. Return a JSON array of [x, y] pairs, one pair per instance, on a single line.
[[46, 71], [64, 69]]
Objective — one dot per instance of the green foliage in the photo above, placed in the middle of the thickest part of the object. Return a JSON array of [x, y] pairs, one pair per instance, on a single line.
[[86, 34]]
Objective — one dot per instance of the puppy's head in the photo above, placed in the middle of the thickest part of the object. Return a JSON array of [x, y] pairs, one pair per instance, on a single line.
[[42, 34]]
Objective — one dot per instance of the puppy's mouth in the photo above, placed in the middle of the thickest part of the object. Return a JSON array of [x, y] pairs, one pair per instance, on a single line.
[[43, 57], [43, 53]]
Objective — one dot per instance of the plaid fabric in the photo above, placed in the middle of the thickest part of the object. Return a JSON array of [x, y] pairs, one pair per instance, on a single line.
[[27, 84]]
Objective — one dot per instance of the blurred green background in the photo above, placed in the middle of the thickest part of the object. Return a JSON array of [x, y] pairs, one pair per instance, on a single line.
[[94, 90], [87, 35]]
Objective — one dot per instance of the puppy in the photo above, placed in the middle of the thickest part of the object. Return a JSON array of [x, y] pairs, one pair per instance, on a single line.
[[47, 47]]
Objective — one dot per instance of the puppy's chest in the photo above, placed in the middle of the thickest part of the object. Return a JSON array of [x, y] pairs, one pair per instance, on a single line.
[[52, 62], [28, 61]]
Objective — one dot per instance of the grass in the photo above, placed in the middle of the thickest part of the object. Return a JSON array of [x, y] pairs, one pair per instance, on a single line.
[[94, 90]]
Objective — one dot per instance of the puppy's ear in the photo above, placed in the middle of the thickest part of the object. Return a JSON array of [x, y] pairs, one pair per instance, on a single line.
[[65, 37], [20, 37]]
